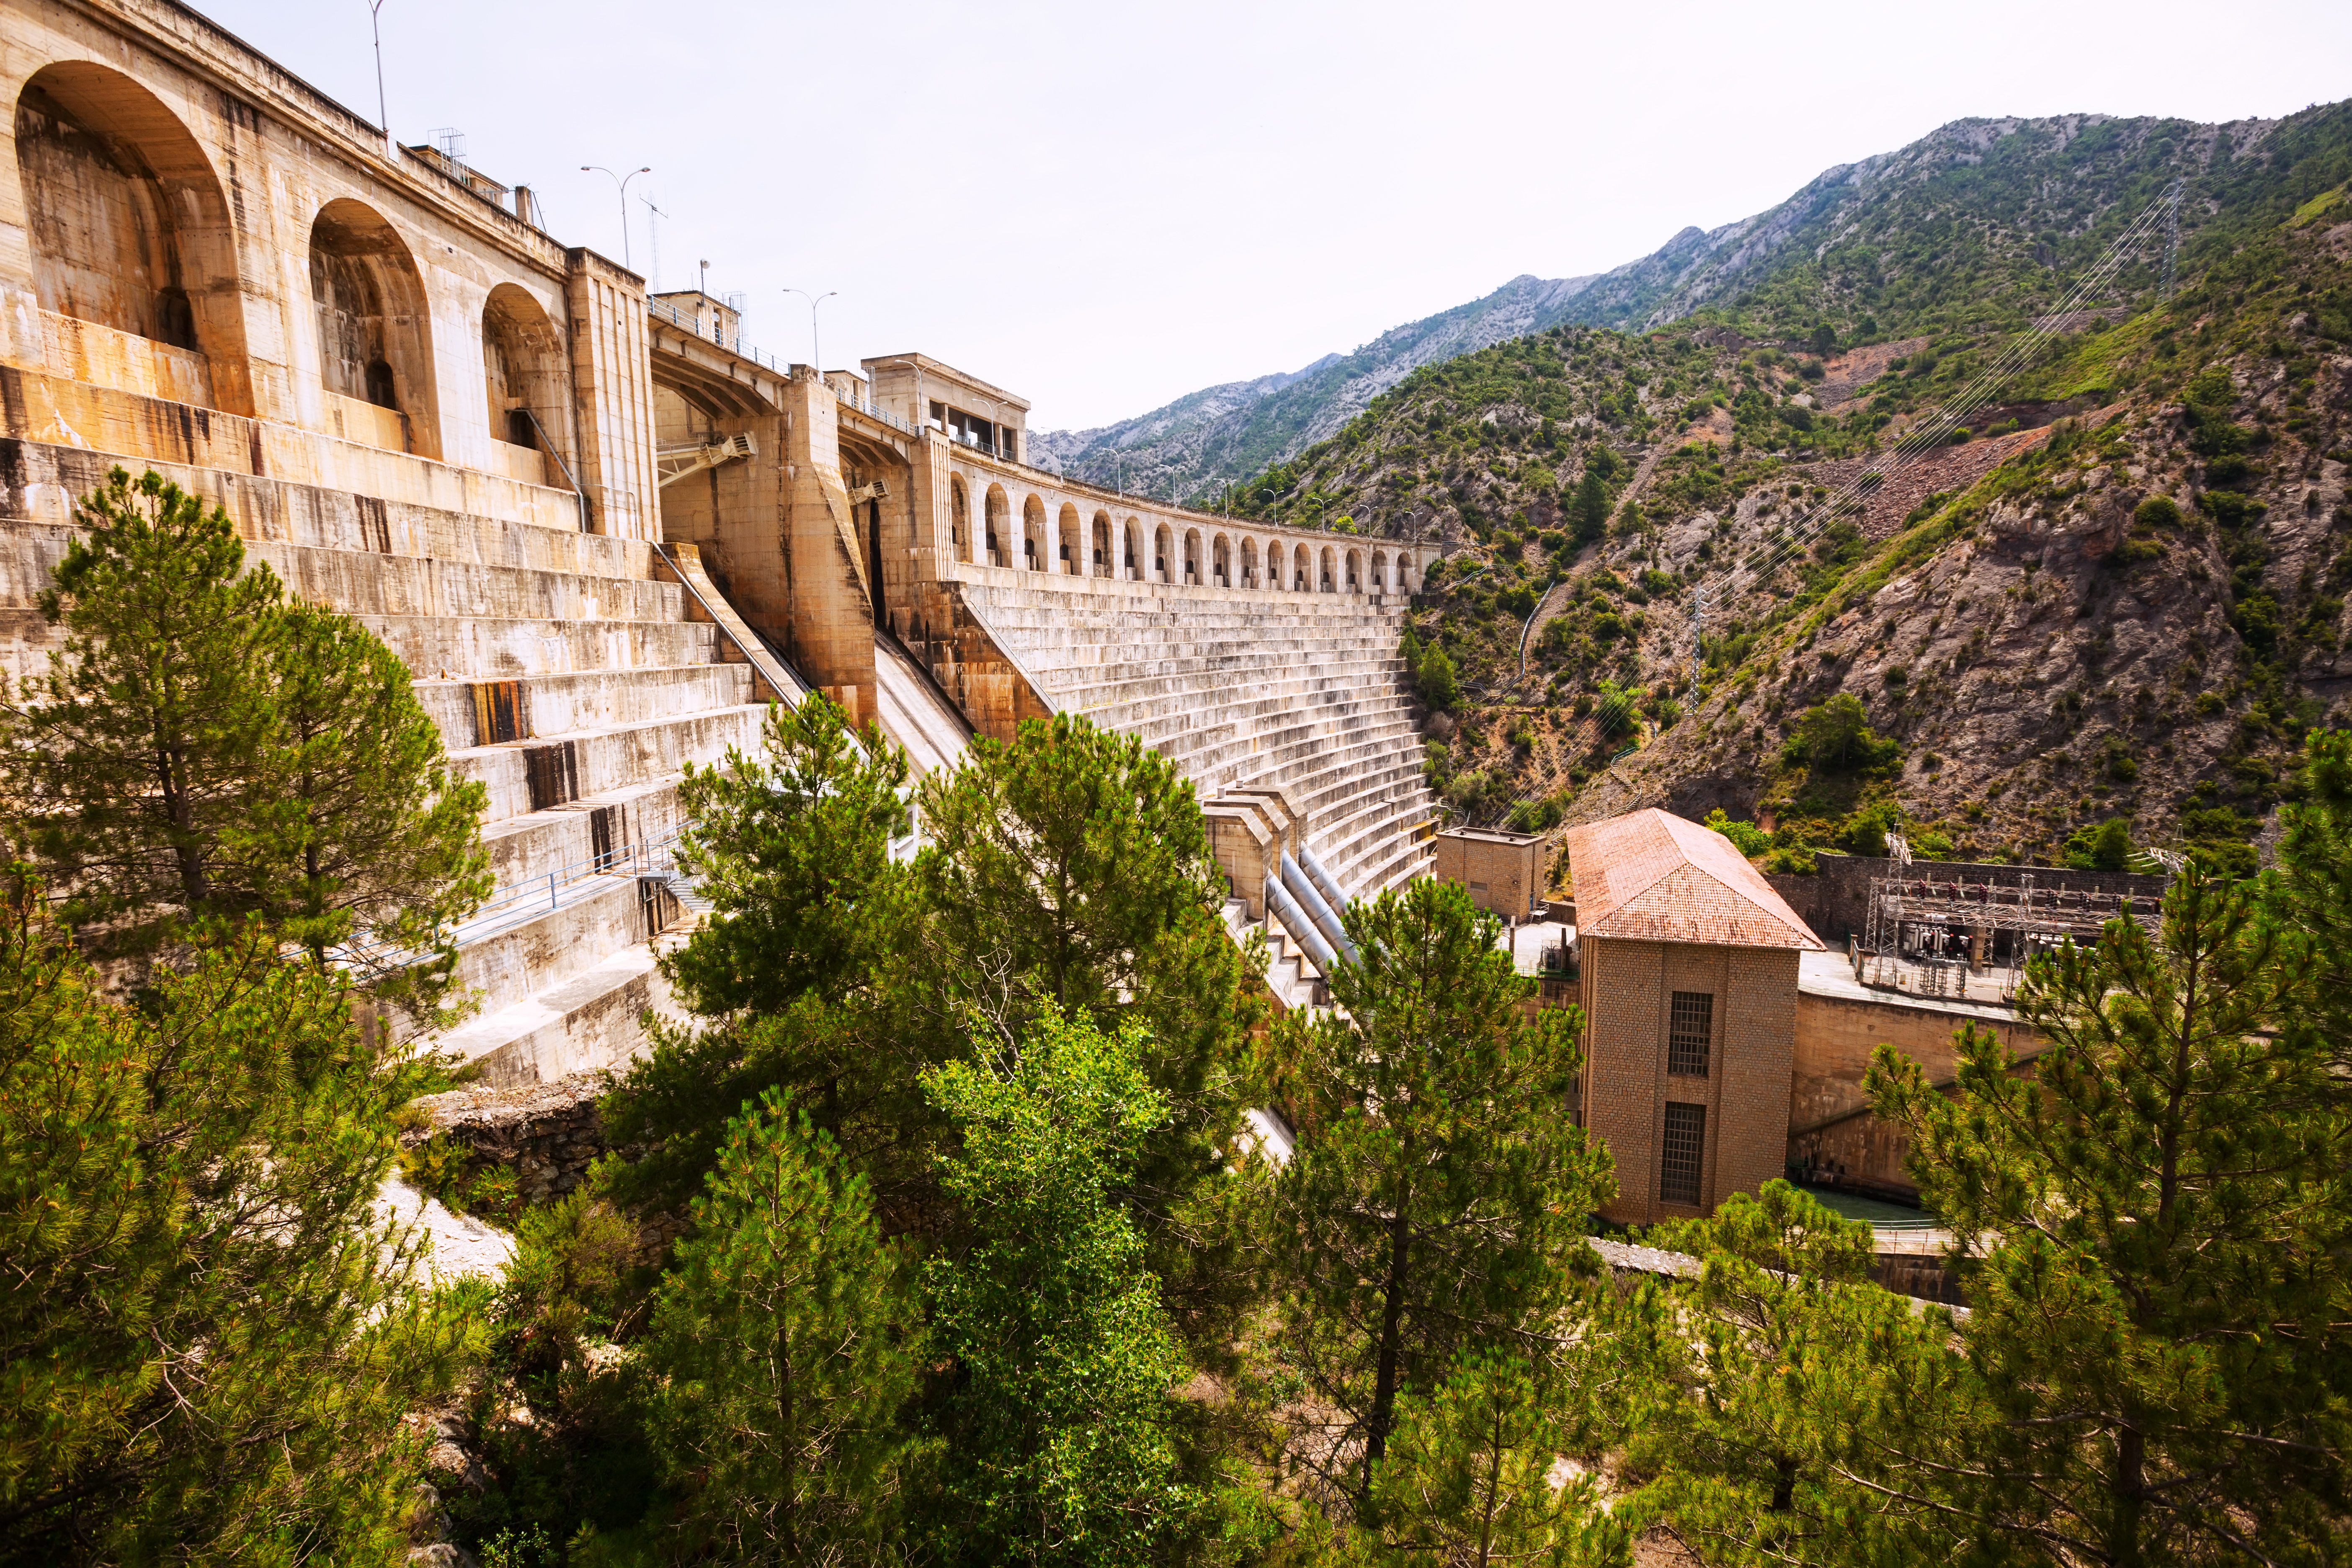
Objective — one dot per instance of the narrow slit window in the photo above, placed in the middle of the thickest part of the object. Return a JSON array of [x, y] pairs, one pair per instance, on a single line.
[[1686, 1143], [1690, 1029]]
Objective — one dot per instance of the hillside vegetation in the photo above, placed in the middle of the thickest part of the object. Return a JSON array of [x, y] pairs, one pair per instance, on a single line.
[[2114, 595]]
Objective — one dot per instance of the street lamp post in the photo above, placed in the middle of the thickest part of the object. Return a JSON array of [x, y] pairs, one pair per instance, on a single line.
[[816, 349], [624, 185], [383, 116]]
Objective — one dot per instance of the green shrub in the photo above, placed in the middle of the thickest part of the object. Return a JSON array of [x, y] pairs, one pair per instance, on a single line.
[[2105, 847], [1745, 836], [2157, 512]]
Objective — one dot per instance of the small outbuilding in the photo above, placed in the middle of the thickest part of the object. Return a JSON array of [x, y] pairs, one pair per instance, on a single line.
[[1688, 964], [1504, 871]]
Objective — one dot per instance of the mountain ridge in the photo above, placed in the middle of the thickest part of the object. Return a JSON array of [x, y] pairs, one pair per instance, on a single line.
[[1226, 433]]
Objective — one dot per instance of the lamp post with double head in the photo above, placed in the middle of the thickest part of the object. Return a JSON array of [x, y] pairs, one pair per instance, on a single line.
[[624, 185]]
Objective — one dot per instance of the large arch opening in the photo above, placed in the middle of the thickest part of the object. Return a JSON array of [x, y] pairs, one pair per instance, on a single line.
[[1133, 531], [1002, 550], [525, 370], [1249, 563], [1192, 557], [1379, 572], [959, 522], [1033, 534], [1355, 571], [129, 229], [1065, 541], [376, 337], [1099, 545], [1160, 541], [1325, 585], [1220, 560]]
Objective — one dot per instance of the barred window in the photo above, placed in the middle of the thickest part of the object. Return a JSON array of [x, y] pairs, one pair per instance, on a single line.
[[1690, 1026], [1679, 1168]]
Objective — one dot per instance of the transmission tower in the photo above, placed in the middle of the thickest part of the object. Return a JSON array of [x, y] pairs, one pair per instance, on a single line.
[[2172, 237]]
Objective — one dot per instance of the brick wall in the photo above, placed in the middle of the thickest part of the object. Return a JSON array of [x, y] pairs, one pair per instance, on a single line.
[[1832, 1133], [1503, 876], [1628, 990]]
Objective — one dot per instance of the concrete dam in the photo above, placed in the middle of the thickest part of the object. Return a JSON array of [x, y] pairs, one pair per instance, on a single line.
[[604, 531]]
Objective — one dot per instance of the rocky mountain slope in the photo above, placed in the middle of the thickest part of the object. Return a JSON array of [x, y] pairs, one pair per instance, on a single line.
[[1200, 441], [2116, 594], [2014, 201]]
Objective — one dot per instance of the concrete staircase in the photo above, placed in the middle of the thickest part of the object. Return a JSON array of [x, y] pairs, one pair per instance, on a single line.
[[565, 675], [1301, 692]]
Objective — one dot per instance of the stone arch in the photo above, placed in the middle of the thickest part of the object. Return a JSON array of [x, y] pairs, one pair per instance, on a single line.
[[1380, 571], [959, 520], [1221, 560], [1003, 539], [1162, 541], [525, 368], [1067, 530], [1249, 563], [375, 336], [1137, 562], [1192, 557], [1324, 584], [1033, 534], [1098, 554], [128, 226], [1355, 565]]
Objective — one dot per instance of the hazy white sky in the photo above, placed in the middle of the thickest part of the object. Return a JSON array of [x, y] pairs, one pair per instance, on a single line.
[[1104, 207]]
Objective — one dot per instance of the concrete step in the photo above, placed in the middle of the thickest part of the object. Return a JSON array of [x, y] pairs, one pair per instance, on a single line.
[[565, 838], [363, 582], [550, 706], [515, 950], [588, 1020], [490, 648], [611, 758]]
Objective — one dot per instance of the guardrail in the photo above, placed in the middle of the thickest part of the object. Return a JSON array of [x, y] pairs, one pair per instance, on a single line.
[[683, 320], [511, 904]]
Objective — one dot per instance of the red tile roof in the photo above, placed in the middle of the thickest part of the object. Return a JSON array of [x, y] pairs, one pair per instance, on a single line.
[[1653, 877]]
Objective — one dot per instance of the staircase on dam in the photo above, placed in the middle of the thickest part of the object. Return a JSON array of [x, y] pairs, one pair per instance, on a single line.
[[1303, 693]]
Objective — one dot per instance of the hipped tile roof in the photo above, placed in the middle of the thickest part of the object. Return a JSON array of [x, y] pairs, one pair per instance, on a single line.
[[1654, 877]]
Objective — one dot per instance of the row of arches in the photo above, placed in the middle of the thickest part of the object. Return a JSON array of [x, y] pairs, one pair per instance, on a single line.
[[1132, 551], [129, 229]]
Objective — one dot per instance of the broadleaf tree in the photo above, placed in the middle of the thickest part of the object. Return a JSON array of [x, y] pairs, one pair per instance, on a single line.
[[1063, 1441]]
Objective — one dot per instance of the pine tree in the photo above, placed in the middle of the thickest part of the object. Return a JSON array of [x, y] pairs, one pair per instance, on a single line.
[[1072, 870], [1436, 1203], [137, 757], [371, 831], [786, 979], [1754, 1386], [1062, 1443], [2159, 1208], [2312, 893], [207, 1343], [201, 750], [1468, 1479], [782, 1330]]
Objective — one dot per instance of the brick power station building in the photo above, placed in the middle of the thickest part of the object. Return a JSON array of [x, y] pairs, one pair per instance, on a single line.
[[1689, 964]]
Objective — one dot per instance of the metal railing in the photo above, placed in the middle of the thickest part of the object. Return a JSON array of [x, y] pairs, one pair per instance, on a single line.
[[687, 321], [511, 904]]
